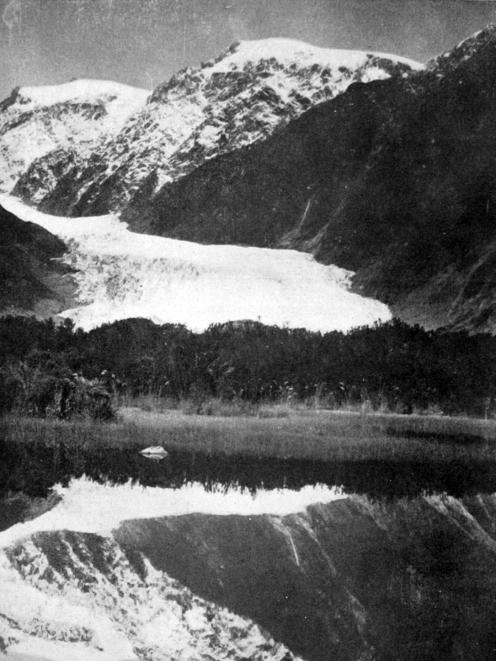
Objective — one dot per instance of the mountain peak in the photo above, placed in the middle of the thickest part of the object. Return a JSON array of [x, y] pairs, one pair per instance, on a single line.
[[75, 116], [466, 49], [262, 59], [289, 51], [81, 90], [251, 90]]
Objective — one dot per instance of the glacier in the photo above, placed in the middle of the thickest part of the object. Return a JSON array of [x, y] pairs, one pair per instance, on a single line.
[[121, 274], [121, 572]]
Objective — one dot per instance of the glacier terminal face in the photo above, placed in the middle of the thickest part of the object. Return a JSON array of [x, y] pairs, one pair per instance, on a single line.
[[121, 274]]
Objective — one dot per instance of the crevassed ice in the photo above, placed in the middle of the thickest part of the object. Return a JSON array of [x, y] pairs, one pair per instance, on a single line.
[[122, 274]]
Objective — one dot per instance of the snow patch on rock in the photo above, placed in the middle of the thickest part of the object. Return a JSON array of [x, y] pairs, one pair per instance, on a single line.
[[74, 117]]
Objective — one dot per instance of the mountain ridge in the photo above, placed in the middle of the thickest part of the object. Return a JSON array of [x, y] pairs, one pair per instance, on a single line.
[[70, 119], [242, 96], [391, 179]]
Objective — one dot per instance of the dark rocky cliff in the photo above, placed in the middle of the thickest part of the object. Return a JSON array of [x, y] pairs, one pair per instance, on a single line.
[[32, 279], [355, 579]]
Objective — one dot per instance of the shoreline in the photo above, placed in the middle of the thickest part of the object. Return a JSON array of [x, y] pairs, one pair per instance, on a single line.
[[302, 435]]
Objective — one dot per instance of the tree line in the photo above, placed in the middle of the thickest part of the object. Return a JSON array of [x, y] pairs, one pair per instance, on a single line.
[[48, 368]]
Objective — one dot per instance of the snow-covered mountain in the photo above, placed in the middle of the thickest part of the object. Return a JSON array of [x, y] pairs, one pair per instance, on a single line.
[[101, 601], [244, 95], [393, 180], [463, 51], [59, 122], [121, 274], [122, 573]]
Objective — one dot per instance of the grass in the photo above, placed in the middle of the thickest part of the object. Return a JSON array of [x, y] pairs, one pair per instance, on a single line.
[[213, 406], [301, 434]]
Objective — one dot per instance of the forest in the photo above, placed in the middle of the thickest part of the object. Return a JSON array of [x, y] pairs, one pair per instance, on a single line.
[[50, 369]]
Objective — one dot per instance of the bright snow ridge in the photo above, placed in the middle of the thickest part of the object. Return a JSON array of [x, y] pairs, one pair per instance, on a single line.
[[90, 507], [287, 51], [120, 100], [124, 275]]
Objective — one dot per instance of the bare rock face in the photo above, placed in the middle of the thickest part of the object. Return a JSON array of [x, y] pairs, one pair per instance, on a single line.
[[241, 97], [369, 162], [352, 579]]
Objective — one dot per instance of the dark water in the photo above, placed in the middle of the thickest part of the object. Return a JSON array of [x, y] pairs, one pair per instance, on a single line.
[[384, 576], [33, 468]]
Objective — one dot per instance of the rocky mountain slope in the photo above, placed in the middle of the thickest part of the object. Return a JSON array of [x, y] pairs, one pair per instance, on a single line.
[[393, 179], [45, 128], [241, 97], [100, 602], [348, 578], [33, 278]]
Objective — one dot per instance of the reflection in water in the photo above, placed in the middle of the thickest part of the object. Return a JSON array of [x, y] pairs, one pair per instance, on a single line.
[[156, 453], [370, 576], [33, 468], [90, 507]]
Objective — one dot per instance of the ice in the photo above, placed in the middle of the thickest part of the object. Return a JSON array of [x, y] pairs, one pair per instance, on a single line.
[[74, 608], [122, 274]]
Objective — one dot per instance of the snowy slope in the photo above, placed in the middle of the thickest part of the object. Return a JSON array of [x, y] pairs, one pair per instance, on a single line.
[[101, 602], [119, 607], [114, 610], [68, 119], [122, 275], [119, 100], [241, 97], [289, 51]]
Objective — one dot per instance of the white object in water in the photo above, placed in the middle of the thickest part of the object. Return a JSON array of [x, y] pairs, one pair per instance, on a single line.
[[155, 451]]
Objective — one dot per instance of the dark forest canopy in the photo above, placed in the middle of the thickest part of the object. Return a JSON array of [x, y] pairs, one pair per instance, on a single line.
[[394, 365]]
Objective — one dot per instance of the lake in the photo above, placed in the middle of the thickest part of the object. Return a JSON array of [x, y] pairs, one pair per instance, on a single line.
[[107, 554]]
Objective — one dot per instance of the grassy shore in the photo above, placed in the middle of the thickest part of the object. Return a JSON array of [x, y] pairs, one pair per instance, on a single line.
[[315, 435]]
